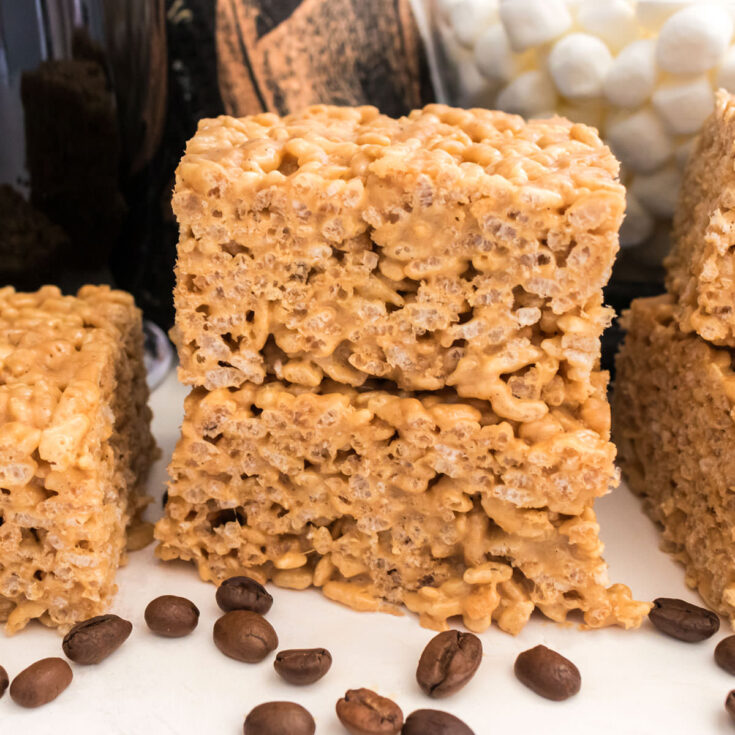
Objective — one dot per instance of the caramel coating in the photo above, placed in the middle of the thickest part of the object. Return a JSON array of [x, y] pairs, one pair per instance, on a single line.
[[447, 248], [674, 410], [75, 446]]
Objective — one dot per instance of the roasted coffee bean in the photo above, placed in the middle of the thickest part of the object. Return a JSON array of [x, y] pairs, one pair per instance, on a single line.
[[245, 636], [93, 640], [682, 620], [171, 616], [448, 662], [41, 682], [303, 665], [364, 712], [243, 593], [279, 718], [548, 673], [434, 722], [725, 654], [730, 704], [3, 681]]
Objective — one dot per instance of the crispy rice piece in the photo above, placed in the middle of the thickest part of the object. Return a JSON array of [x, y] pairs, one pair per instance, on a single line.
[[379, 499], [447, 248], [674, 415], [76, 446]]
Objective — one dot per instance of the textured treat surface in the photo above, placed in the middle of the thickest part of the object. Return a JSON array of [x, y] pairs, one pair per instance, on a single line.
[[701, 267], [75, 446], [447, 248], [674, 410], [392, 329], [379, 499]]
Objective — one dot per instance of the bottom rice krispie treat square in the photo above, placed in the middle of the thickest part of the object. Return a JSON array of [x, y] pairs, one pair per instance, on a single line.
[[674, 421], [382, 498], [75, 448]]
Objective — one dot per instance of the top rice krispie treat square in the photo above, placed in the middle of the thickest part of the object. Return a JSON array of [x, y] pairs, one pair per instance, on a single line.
[[701, 267], [451, 247]]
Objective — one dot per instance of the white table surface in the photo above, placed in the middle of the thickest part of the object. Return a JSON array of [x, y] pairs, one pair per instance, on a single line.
[[633, 683]]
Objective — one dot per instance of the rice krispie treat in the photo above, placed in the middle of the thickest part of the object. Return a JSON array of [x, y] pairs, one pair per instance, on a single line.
[[674, 416], [382, 498], [701, 266], [75, 447], [447, 248]]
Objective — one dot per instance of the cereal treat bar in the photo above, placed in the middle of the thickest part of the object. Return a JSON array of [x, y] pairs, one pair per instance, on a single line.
[[449, 248], [674, 415], [701, 267], [75, 447], [381, 497]]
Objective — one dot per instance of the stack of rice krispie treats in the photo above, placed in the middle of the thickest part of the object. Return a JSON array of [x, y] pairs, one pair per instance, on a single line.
[[75, 447], [391, 329], [675, 387]]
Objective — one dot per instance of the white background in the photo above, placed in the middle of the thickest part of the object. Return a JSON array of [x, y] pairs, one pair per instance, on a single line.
[[633, 683]]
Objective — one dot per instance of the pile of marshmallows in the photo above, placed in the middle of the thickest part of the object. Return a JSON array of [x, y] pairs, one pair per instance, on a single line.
[[644, 73]]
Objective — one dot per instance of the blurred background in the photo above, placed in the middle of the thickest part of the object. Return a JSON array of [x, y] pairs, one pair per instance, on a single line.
[[98, 98]]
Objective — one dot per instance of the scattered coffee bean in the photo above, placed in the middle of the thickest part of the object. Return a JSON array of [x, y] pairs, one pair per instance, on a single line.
[[303, 665], [548, 673], [171, 616], [364, 712], [730, 704], [448, 662], [725, 654], [244, 635], [41, 682], [243, 593], [279, 718], [434, 722], [93, 640], [682, 620], [4, 681]]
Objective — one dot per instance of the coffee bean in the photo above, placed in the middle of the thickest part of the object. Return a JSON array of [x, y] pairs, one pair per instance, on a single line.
[[41, 682], [434, 722], [3, 681], [682, 620], [448, 662], [279, 718], [730, 704], [171, 616], [548, 673], [725, 654], [93, 640], [243, 593], [303, 665], [244, 635], [364, 712]]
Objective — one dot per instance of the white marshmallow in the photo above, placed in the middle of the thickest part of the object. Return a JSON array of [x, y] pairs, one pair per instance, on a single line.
[[726, 73], [683, 151], [632, 75], [694, 39], [529, 94], [637, 225], [444, 6], [652, 14], [685, 106], [659, 191], [640, 141], [611, 20], [469, 18], [578, 64], [530, 23], [493, 55]]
